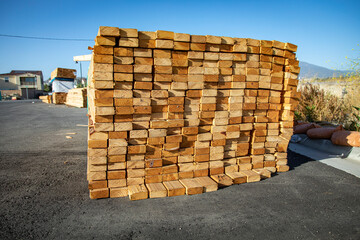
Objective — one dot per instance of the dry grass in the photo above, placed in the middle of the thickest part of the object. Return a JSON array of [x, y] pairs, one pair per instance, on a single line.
[[318, 105]]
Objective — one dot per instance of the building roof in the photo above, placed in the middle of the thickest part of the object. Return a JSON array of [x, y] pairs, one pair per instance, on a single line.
[[19, 72], [7, 85]]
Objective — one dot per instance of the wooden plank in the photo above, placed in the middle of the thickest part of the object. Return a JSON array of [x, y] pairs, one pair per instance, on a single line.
[[97, 184], [119, 192], [99, 193], [115, 183], [94, 176], [135, 181], [138, 192], [166, 44], [63, 73], [237, 177], [105, 41], [160, 34], [181, 37], [97, 143], [290, 47], [192, 186], [154, 179], [264, 173], [198, 38], [129, 32], [282, 168], [109, 31], [222, 180], [174, 188], [156, 190], [128, 42], [208, 184], [251, 175]]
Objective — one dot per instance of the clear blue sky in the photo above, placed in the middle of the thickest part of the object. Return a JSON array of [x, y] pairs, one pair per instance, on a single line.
[[325, 31]]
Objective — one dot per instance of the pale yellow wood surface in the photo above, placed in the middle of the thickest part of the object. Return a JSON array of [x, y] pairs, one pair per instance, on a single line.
[[237, 177], [208, 184], [174, 188], [192, 186], [156, 190], [119, 192], [251, 175], [264, 173], [222, 180], [138, 192]]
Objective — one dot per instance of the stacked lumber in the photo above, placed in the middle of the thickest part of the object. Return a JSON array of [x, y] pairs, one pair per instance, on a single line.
[[63, 73], [77, 97], [173, 113], [62, 80], [59, 97], [46, 99]]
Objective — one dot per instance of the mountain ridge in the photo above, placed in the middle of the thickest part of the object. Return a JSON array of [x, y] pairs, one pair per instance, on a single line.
[[308, 70]]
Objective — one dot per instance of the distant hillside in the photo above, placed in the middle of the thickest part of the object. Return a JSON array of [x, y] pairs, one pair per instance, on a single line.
[[309, 70]]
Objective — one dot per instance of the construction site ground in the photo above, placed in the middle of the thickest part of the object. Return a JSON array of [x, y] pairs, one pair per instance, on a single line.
[[44, 193]]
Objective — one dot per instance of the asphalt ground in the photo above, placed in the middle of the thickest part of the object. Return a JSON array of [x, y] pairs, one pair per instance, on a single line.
[[44, 193]]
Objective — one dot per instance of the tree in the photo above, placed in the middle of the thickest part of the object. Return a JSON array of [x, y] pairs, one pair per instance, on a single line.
[[47, 88]]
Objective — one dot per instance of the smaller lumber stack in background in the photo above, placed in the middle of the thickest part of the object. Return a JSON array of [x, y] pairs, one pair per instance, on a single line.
[[46, 99], [62, 80], [59, 97], [63, 73], [76, 97]]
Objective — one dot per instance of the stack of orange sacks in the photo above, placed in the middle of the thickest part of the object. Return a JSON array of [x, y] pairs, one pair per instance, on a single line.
[[173, 114]]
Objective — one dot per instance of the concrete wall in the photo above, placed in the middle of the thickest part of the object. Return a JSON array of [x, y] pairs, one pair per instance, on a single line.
[[10, 92], [12, 79]]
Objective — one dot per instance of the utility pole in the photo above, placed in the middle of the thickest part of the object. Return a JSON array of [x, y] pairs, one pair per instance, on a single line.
[[80, 72]]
